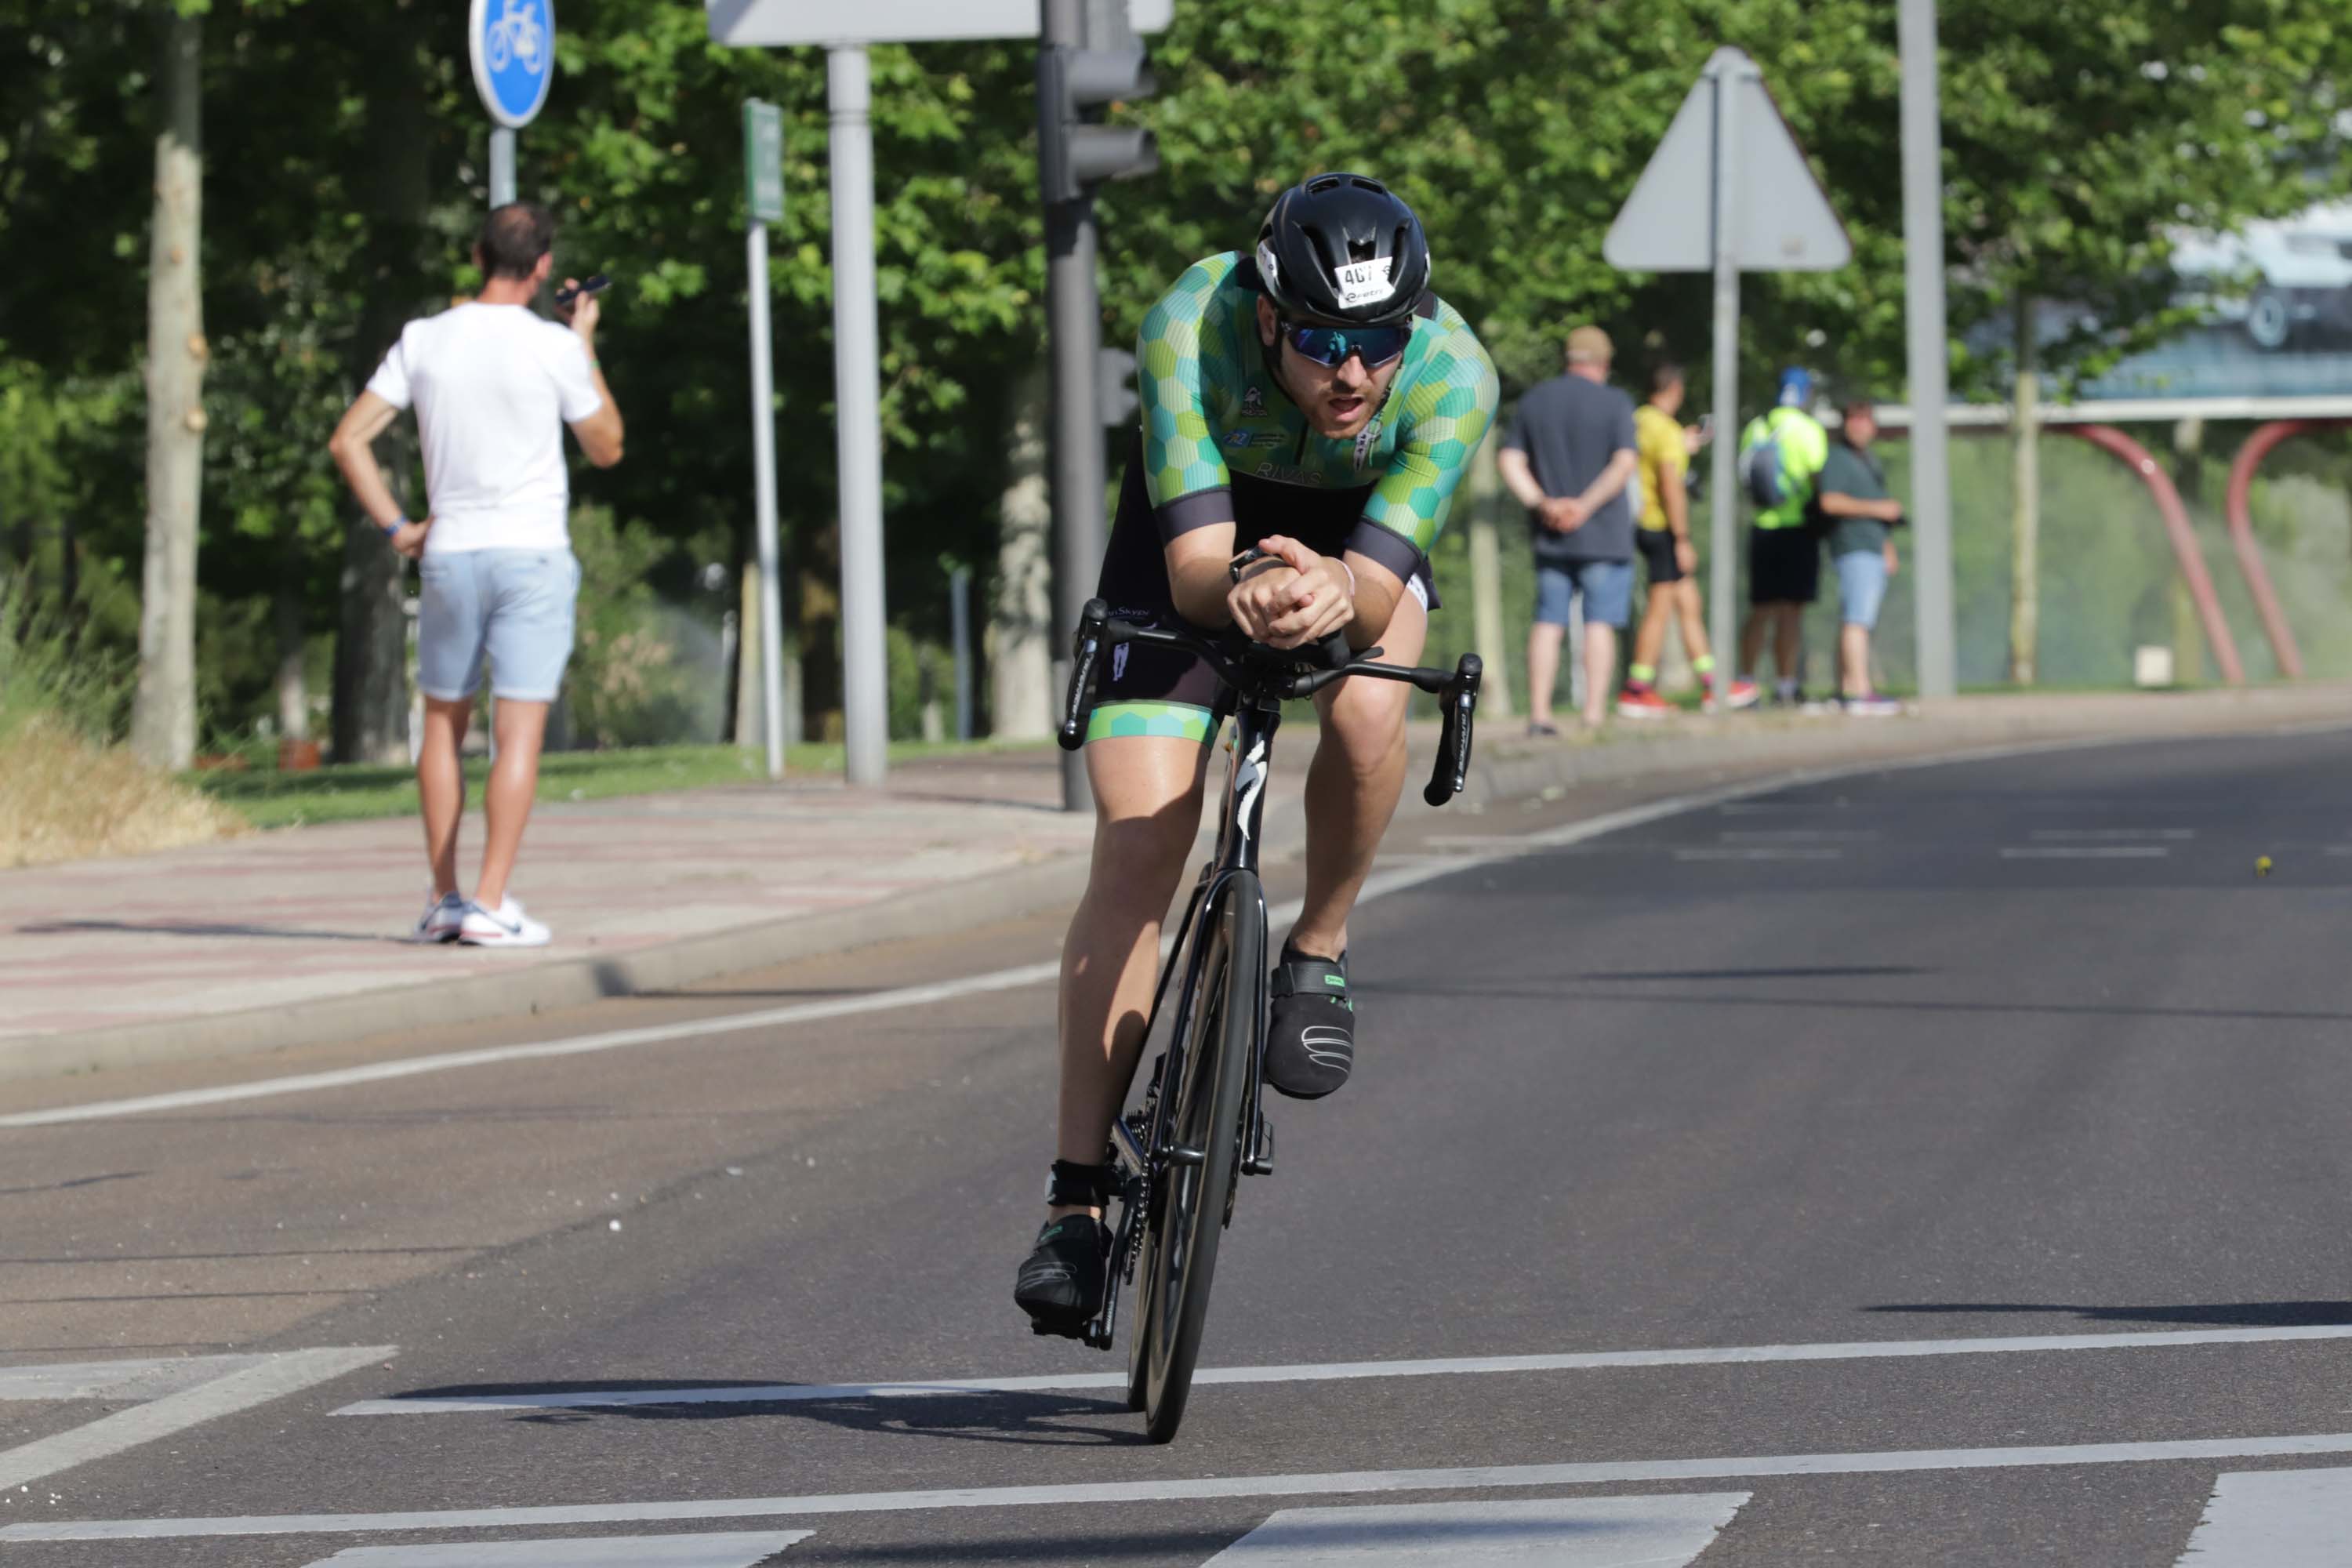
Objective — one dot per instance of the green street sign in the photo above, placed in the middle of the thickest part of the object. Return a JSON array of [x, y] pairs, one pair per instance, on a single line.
[[763, 160]]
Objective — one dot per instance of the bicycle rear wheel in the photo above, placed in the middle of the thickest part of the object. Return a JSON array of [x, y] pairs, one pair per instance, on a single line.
[[1210, 1093]]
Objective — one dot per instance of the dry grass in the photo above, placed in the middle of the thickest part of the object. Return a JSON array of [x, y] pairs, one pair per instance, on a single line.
[[64, 799]]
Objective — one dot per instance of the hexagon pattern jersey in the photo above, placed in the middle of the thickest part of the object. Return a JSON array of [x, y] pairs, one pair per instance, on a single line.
[[1214, 420]]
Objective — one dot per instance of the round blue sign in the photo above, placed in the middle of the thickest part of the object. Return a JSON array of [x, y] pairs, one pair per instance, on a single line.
[[513, 44]]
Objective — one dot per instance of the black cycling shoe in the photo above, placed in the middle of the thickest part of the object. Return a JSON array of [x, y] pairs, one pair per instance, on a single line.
[[1062, 1281], [1310, 1042]]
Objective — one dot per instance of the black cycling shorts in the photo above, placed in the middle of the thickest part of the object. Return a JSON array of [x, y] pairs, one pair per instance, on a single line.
[[1657, 548], [1149, 691], [1784, 566]]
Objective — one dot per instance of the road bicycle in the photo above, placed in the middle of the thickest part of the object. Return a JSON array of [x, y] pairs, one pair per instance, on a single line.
[[1202, 1123]]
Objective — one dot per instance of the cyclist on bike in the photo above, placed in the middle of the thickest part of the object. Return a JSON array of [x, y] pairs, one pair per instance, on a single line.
[[1315, 400]]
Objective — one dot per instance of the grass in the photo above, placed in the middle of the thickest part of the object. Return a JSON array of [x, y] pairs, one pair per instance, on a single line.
[[264, 797]]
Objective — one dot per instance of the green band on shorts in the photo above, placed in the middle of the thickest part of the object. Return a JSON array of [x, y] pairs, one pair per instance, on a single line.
[[1176, 721]]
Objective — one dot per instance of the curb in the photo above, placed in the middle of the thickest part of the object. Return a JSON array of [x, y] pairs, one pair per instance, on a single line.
[[1506, 771]]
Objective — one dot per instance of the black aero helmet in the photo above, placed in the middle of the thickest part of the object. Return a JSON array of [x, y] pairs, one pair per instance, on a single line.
[[1343, 249]]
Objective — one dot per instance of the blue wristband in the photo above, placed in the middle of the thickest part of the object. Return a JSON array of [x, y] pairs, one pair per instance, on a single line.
[[390, 528]]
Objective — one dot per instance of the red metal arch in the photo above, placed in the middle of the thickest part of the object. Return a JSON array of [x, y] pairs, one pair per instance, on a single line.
[[2108, 439], [2238, 511]]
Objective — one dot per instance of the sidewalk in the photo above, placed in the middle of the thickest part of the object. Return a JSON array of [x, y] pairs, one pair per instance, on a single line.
[[299, 936]]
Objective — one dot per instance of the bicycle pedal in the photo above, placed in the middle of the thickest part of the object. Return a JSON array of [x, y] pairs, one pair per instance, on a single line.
[[1261, 1155]]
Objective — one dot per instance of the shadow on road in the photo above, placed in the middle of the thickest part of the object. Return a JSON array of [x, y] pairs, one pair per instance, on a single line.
[[966, 1414], [2233, 1314], [204, 928]]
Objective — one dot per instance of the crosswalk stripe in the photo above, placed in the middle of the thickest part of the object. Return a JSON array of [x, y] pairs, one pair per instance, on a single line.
[[1555, 1533], [735, 1549], [1470, 1477], [2275, 1518], [262, 1378]]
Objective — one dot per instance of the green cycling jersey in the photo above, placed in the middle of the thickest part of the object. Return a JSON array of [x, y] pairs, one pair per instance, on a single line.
[[1216, 424]]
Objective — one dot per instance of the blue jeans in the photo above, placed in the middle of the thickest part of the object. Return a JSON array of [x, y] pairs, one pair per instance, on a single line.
[[1861, 586], [512, 606], [1607, 587]]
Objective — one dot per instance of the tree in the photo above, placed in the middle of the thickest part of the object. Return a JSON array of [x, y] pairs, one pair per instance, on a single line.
[[163, 711]]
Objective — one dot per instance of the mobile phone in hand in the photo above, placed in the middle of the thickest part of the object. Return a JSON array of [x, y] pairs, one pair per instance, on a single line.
[[596, 285]]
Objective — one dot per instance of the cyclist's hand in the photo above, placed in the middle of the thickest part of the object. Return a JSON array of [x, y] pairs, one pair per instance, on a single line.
[[1260, 599], [1321, 598]]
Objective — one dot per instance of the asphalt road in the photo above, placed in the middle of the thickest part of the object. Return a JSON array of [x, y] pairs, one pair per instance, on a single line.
[[1941, 1166]]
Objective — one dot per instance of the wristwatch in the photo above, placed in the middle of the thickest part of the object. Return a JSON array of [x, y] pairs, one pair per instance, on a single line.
[[392, 530]]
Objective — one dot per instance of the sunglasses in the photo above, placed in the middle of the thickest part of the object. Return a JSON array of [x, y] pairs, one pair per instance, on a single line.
[[1376, 346]]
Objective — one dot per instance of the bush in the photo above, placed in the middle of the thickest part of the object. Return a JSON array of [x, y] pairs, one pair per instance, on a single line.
[[65, 792], [644, 671]]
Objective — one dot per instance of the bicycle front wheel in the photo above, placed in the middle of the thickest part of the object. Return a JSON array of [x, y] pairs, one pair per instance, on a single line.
[[1211, 1092]]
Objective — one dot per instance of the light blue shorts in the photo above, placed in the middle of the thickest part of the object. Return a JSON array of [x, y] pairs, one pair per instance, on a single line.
[[1607, 587], [1861, 586], [512, 606]]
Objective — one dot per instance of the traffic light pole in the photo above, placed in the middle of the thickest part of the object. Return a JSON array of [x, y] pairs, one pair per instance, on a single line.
[[1074, 316]]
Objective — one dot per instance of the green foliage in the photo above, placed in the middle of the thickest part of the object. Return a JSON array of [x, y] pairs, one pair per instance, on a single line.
[[347, 165], [644, 671], [50, 671]]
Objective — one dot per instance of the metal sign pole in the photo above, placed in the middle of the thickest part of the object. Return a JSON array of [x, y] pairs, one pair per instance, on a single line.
[[857, 404], [1923, 292], [502, 165], [1723, 562], [764, 465], [1074, 316]]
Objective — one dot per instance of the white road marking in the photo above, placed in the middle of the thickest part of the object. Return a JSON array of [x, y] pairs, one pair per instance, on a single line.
[[1665, 1532], [117, 1379], [737, 1550], [1343, 1483], [1783, 854], [2109, 835], [262, 1378], [1380, 885], [2340, 850], [1341, 1371], [2275, 1518], [1800, 835], [2089, 852]]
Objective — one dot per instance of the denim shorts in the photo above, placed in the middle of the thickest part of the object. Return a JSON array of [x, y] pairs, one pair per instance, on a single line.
[[1607, 587], [512, 606], [1861, 586]]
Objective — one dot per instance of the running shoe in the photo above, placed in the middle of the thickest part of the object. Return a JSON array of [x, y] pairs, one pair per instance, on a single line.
[[506, 926], [441, 919], [1310, 1038], [1643, 702], [1742, 694], [1540, 730], [1871, 706]]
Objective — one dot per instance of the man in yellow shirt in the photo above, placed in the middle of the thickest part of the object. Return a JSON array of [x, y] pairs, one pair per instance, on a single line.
[[1664, 542]]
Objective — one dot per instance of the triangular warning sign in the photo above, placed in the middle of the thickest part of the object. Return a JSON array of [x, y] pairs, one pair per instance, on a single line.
[[1782, 220]]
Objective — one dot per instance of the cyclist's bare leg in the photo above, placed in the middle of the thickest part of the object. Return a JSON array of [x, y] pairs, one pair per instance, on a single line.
[[1148, 808], [1353, 783]]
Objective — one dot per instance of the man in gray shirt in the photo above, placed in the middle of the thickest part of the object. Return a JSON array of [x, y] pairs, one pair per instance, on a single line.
[[1570, 451]]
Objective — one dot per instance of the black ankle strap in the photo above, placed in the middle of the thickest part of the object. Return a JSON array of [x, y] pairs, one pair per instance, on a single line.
[[1080, 1186]]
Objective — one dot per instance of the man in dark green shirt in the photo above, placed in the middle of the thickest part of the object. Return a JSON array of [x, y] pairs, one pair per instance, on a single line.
[[1858, 516]]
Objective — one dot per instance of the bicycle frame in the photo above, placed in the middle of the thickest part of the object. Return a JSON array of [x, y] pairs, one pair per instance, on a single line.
[[1254, 685]]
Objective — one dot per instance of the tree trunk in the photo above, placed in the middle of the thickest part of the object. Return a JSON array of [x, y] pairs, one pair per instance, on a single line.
[[292, 682], [1487, 578], [1019, 645], [2025, 537], [163, 713], [371, 681]]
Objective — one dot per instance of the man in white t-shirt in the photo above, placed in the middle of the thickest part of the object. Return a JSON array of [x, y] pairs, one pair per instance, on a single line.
[[493, 386]]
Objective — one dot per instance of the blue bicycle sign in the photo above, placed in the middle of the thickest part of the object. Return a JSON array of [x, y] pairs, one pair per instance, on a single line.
[[513, 45]]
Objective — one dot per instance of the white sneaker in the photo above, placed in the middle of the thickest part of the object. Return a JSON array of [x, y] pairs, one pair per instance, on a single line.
[[506, 926], [441, 919]]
